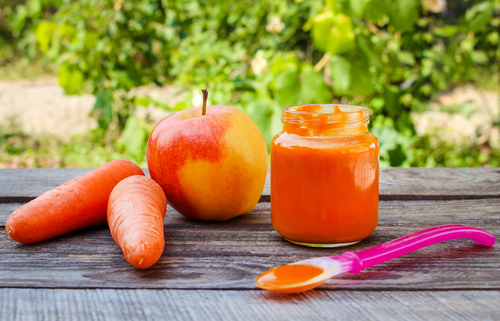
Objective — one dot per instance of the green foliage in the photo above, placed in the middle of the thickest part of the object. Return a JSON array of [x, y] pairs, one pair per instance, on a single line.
[[113, 46], [430, 151], [18, 149], [332, 32], [134, 137], [403, 56], [18, 20], [70, 78], [392, 56]]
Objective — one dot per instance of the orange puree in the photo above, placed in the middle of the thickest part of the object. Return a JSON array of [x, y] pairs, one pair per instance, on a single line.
[[324, 176], [288, 276]]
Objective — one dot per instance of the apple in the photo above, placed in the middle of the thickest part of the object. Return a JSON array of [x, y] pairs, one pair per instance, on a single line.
[[211, 162]]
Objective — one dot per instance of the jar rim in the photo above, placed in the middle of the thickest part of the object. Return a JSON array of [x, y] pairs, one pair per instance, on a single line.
[[359, 108], [349, 115]]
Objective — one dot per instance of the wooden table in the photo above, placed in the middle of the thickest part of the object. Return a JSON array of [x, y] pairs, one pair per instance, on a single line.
[[208, 269]]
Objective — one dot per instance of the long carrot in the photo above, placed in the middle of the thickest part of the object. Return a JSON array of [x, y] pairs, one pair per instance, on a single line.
[[79, 203], [136, 210]]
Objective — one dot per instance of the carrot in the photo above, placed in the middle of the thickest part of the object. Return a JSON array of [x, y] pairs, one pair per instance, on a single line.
[[79, 203], [136, 210]]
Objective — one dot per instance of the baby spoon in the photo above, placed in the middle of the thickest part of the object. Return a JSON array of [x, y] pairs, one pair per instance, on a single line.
[[307, 274]]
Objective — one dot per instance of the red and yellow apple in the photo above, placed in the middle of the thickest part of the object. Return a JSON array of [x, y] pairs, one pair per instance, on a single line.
[[212, 166]]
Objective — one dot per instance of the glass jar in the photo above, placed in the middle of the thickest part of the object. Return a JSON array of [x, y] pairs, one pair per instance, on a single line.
[[324, 176]]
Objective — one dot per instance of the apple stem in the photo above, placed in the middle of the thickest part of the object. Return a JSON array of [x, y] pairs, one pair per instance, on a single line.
[[205, 97]]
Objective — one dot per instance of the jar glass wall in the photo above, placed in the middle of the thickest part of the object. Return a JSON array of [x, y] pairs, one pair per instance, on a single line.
[[324, 176]]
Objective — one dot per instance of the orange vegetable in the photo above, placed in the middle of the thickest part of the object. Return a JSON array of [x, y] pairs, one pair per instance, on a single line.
[[293, 275], [77, 204], [136, 211]]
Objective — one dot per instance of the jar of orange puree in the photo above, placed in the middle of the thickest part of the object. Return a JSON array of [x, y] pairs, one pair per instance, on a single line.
[[324, 176]]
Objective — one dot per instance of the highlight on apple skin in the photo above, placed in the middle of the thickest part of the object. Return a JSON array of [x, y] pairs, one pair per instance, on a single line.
[[212, 166]]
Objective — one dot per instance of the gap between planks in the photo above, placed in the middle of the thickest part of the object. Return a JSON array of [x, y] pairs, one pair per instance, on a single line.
[[267, 198], [255, 289]]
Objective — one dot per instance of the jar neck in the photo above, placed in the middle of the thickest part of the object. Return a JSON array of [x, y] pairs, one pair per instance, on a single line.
[[325, 120], [323, 132]]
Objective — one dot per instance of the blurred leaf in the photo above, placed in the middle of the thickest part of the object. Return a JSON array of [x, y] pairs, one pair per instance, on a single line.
[[127, 78], [180, 106], [147, 101], [112, 30], [70, 78], [357, 6], [391, 100], [102, 108], [333, 33], [332, 5], [275, 126], [133, 137], [388, 138], [404, 124], [19, 20], [438, 79], [479, 57], [361, 78], [66, 31], [35, 7], [427, 67], [142, 101], [480, 22], [350, 7], [261, 112], [321, 26], [287, 88], [55, 44], [244, 83], [447, 31], [403, 14], [479, 16], [406, 58], [369, 50], [44, 33], [430, 54], [340, 69], [375, 10], [477, 8], [284, 61], [313, 89], [397, 156], [377, 103]]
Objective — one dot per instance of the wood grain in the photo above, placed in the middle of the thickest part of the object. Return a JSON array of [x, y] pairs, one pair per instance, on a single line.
[[23, 185], [439, 183], [208, 269], [229, 255], [110, 304]]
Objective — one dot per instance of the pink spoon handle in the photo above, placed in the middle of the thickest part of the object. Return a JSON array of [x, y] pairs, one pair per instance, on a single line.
[[412, 242]]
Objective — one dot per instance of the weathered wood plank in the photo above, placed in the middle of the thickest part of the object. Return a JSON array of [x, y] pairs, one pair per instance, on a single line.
[[229, 255], [439, 183], [110, 304], [22, 185]]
